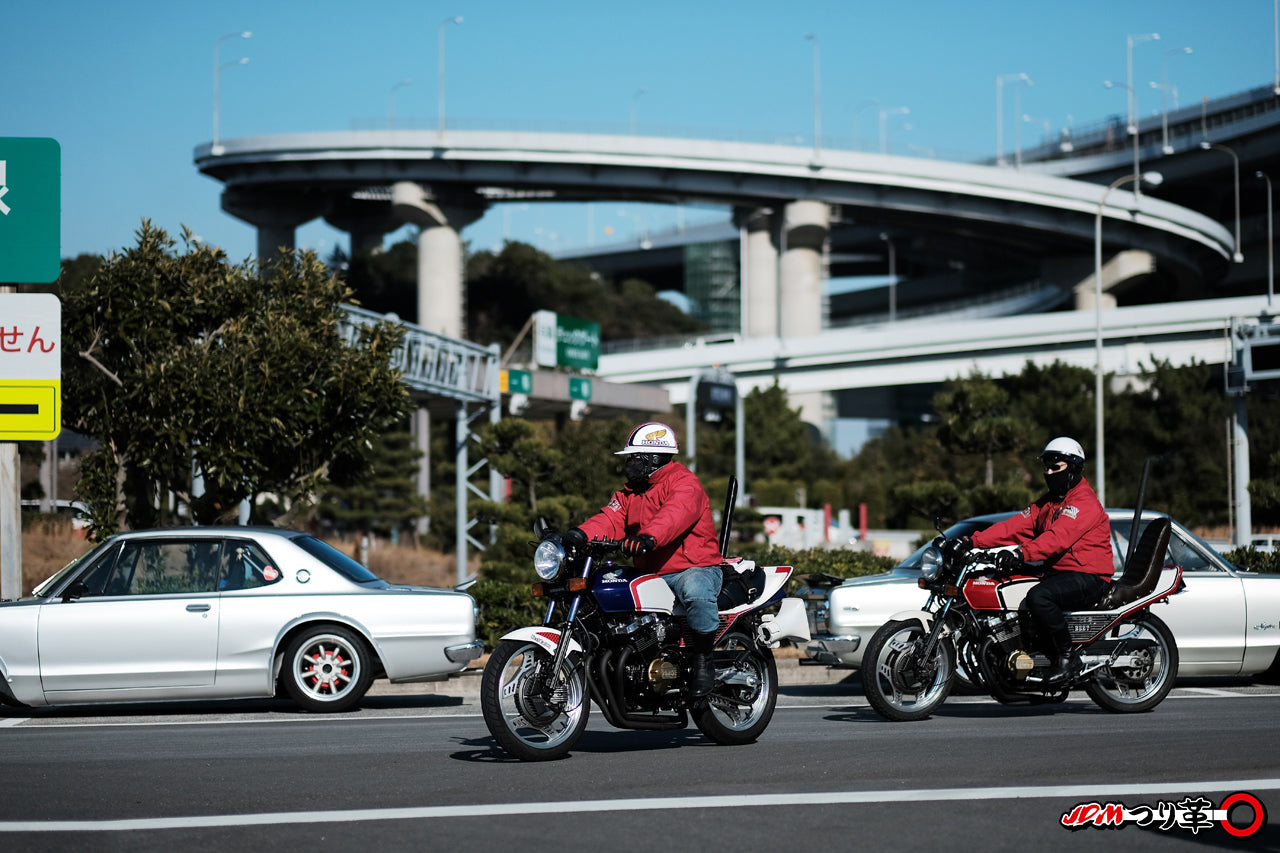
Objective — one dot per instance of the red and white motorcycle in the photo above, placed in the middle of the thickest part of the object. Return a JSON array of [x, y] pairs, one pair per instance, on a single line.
[[972, 618]]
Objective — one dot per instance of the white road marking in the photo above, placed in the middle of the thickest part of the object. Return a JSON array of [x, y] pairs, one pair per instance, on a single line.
[[820, 799], [12, 721]]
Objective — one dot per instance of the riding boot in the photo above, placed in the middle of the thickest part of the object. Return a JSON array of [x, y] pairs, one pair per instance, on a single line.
[[1066, 665], [702, 670]]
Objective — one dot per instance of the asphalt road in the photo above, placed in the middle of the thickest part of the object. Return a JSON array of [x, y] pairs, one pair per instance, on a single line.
[[418, 771]]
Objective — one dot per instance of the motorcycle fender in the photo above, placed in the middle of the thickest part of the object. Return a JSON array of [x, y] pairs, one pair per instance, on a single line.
[[790, 623], [924, 617], [547, 638]]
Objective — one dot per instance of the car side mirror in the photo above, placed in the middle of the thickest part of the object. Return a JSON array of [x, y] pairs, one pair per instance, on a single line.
[[74, 591]]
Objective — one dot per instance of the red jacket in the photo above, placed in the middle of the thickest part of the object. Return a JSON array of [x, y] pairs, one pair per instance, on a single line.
[[674, 510], [1073, 534]]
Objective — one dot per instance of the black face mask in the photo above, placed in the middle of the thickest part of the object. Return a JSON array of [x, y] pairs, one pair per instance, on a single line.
[[639, 467], [1061, 483]]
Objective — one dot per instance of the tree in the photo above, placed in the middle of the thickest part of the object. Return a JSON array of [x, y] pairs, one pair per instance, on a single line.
[[976, 419], [376, 492], [178, 361]]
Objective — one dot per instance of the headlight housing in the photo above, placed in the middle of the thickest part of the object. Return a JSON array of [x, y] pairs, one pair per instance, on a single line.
[[548, 559], [931, 563]]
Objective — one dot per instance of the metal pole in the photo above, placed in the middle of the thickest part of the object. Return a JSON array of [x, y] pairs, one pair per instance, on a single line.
[[1271, 266], [10, 523], [690, 425], [817, 94], [1240, 448], [740, 445], [440, 77]]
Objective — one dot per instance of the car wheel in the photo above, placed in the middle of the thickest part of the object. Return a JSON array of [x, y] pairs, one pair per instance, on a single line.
[[327, 668]]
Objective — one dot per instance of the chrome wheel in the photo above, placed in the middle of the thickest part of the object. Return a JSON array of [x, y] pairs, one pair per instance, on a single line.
[[533, 714], [327, 669]]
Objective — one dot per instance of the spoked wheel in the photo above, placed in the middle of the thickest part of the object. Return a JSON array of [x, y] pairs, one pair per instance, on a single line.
[[898, 684], [327, 668], [746, 690], [1146, 670], [533, 714]]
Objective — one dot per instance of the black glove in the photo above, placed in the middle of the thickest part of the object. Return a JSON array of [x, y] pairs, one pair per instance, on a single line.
[[1009, 562], [634, 546], [574, 539], [957, 548]]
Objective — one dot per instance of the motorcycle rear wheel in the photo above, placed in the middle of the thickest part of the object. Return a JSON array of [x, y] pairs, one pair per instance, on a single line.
[[896, 688], [531, 715], [741, 703], [1142, 687]]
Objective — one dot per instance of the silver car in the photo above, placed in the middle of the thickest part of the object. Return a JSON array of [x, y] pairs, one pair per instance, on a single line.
[[232, 612], [1226, 621]]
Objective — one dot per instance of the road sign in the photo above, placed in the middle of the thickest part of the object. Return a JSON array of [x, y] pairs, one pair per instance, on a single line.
[[30, 366], [516, 382], [579, 389], [565, 341], [30, 210]]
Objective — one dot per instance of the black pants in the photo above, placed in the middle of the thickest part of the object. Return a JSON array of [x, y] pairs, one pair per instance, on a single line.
[[1059, 591]]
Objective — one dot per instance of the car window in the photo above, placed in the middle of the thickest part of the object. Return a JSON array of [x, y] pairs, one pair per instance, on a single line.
[[247, 567], [156, 567], [335, 559]]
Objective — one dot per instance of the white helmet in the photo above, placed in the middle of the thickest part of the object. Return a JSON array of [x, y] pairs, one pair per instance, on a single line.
[[1064, 447], [651, 437]]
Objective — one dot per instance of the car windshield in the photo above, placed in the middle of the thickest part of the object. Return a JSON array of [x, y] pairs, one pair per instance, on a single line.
[[963, 528], [49, 584], [336, 560]]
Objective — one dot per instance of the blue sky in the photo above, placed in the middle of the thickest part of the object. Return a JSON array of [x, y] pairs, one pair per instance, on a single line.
[[127, 87]]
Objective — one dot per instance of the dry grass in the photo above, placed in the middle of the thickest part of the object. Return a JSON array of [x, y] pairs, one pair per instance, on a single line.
[[50, 543]]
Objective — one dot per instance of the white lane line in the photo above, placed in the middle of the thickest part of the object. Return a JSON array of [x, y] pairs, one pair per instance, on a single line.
[[12, 721], [819, 798], [1211, 691]]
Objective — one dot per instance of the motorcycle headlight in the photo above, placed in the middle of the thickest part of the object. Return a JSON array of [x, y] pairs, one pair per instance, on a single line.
[[931, 563], [548, 559]]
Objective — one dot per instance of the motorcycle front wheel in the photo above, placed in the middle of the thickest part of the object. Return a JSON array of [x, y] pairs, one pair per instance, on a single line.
[[898, 684], [1152, 666], [533, 714], [741, 704]]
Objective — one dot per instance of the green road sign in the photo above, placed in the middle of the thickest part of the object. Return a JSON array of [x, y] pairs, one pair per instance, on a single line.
[[516, 382], [565, 341], [30, 210], [579, 389]]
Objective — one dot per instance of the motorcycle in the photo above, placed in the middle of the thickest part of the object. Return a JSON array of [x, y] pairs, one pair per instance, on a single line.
[[1128, 656], [614, 635]]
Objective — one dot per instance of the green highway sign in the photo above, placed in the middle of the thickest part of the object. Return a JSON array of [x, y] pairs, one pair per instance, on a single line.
[[516, 382], [579, 389], [30, 210], [565, 341]]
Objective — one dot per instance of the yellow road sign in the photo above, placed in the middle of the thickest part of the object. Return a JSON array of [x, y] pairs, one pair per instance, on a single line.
[[29, 409]]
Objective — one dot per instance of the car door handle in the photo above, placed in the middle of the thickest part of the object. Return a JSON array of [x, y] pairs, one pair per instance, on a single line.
[[197, 608]]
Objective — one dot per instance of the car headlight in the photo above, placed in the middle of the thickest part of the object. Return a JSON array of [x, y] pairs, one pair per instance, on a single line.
[[931, 563], [548, 559]]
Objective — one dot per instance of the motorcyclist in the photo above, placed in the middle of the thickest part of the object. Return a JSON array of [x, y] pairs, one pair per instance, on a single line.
[[663, 516], [1068, 531]]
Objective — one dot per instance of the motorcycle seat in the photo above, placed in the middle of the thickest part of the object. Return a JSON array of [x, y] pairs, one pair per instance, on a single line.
[[1142, 572], [739, 587]]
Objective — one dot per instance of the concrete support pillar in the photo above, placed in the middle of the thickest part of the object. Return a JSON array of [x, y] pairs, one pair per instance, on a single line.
[[276, 215], [366, 220], [441, 303], [10, 523], [800, 288], [1240, 464], [816, 407], [422, 441], [759, 290]]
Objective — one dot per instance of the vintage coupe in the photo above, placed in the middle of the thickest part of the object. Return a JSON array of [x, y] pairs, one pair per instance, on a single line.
[[225, 612], [1226, 621]]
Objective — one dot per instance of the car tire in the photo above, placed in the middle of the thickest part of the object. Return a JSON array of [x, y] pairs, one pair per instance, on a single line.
[[327, 668]]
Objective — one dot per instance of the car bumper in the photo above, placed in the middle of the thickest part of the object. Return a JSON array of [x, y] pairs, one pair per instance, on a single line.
[[833, 649], [464, 652]]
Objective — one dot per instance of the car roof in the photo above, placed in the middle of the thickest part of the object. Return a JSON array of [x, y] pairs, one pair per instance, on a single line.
[[212, 532]]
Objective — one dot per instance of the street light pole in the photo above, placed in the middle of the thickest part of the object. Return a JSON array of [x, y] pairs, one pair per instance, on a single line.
[[1000, 81], [440, 95], [893, 277], [817, 93], [857, 111], [391, 101], [1235, 162], [217, 70], [1164, 97], [884, 133], [1271, 267], [635, 105], [1100, 484], [1133, 130], [1133, 101]]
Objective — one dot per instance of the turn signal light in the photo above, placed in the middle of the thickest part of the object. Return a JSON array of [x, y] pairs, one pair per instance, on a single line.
[[951, 590], [577, 585], [539, 590], [920, 582]]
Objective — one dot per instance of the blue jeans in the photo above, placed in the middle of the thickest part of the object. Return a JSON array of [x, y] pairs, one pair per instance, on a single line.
[[697, 588]]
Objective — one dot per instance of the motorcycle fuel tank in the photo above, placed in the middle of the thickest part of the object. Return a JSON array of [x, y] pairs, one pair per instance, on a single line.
[[627, 590]]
